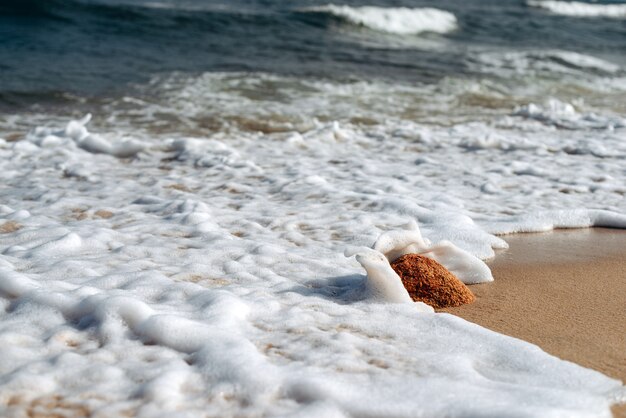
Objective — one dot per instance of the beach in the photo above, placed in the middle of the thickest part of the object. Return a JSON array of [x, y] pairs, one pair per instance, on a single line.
[[199, 201], [562, 290]]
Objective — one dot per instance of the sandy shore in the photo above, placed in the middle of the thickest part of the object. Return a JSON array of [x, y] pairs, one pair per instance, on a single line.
[[564, 291]]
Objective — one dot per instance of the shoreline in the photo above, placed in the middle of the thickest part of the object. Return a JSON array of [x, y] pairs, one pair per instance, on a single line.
[[564, 291]]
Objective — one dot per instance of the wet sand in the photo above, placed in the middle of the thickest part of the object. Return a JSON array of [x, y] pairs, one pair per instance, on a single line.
[[564, 291]]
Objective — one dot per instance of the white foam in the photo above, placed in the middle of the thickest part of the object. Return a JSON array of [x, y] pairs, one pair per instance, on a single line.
[[564, 115], [382, 283], [13, 284], [554, 219], [537, 62], [76, 132], [467, 267], [206, 275], [398, 20], [578, 9]]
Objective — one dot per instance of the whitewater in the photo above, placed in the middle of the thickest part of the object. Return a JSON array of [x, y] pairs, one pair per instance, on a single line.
[[151, 275], [400, 20], [579, 9], [216, 242]]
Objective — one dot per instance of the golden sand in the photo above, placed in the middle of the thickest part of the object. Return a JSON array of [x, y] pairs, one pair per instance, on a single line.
[[564, 291]]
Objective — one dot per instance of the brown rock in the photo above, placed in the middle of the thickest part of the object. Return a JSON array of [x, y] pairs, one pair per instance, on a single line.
[[428, 281]]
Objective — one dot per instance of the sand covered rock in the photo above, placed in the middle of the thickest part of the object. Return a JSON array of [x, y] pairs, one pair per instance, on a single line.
[[428, 281]]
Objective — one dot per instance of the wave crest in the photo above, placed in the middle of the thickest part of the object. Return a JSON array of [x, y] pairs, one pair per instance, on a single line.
[[400, 20], [578, 9]]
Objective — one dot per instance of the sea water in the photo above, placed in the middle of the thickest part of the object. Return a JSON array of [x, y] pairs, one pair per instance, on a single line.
[[183, 185]]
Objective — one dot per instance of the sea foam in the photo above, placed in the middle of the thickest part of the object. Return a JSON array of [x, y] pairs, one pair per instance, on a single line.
[[544, 62], [564, 115], [206, 274], [401, 20], [384, 285]]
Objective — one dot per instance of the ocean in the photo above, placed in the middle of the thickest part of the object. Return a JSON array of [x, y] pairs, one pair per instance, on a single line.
[[184, 185]]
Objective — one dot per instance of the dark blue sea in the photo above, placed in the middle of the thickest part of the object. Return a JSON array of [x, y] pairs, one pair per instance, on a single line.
[[60, 56]]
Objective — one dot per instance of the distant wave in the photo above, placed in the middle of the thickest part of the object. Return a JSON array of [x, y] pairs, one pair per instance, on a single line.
[[541, 61], [400, 20], [578, 9]]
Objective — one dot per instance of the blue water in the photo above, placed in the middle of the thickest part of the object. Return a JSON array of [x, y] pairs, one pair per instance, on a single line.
[[50, 48]]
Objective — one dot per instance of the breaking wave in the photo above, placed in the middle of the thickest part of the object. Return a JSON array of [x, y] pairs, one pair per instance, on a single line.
[[400, 20], [578, 9], [541, 61]]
